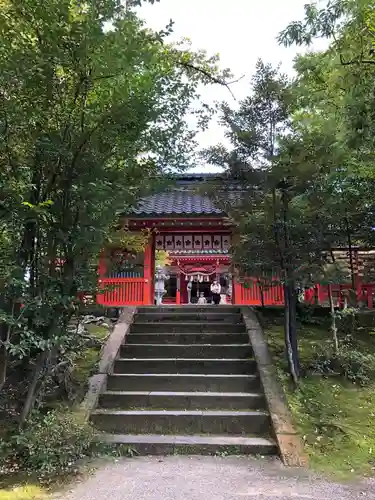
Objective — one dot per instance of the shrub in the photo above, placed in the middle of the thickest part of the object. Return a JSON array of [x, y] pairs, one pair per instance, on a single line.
[[48, 446], [351, 364]]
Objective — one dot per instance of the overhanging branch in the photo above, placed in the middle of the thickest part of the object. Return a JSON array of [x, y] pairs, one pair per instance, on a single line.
[[208, 75]]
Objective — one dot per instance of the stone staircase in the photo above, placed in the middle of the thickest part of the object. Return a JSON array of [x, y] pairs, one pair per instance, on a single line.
[[185, 382]]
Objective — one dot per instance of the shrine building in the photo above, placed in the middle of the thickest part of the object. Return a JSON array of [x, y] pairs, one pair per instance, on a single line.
[[193, 237]]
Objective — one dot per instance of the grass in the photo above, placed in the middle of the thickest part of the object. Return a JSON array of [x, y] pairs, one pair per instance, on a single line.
[[334, 417], [28, 492]]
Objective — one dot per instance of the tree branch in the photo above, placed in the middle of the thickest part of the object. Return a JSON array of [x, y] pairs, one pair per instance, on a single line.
[[204, 72], [208, 75], [355, 61]]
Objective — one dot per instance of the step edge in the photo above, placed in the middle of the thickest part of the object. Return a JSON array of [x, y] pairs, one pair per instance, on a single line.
[[187, 323], [187, 439], [184, 394], [184, 345], [234, 360], [190, 375], [178, 413], [136, 334], [209, 311]]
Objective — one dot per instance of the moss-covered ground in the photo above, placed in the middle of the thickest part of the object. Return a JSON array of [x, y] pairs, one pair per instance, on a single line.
[[335, 417], [86, 363]]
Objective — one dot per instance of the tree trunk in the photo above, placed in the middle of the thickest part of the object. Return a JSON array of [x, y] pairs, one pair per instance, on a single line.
[[289, 296], [293, 326], [261, 292], [34, 387], [4, 339], [333, 319], [290, 336], [350, 248], [3, 365]]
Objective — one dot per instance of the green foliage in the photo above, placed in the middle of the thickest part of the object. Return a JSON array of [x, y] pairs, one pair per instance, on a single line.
[[162, 258], [127, 240], [302, 152], [48, 446], [354, 361], [333, 415], [93, 114], [350, 364]]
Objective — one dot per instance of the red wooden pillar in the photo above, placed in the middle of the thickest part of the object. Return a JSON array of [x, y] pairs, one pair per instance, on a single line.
[[319, 295], [102, 265], [148, 274], [102, 271]]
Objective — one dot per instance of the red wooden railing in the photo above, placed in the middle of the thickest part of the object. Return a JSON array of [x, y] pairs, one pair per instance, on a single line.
[[249, 292], [121, 291], [319, 294], [117, 292], [368, 294]]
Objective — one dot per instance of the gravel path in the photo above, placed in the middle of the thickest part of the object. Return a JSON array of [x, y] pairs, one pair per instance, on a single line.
[[209, 478]]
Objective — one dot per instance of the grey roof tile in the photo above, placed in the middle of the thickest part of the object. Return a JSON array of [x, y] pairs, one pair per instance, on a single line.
[[183, 200], [176, 203]]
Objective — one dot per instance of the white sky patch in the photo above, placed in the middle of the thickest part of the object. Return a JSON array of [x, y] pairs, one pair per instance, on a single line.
[[241, 31]]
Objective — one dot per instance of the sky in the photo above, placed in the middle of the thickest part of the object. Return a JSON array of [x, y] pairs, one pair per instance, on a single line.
[[241, 31]]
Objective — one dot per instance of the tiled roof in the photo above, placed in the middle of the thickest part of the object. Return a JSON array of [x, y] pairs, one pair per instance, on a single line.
[[176, 203], [181, 200]]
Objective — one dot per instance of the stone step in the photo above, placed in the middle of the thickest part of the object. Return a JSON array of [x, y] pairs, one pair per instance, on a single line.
[[182, 422], [188, 365], [180, 327], [156, 444], [182, 400], [186, 351], [227, 309], [189, 317], [187, 338], [182, 382]]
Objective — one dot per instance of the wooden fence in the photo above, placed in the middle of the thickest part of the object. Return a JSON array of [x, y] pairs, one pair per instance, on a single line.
[[121, 291]]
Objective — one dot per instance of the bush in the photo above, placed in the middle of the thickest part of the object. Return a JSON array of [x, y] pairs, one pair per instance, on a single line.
[[50, 445], [351, 364]]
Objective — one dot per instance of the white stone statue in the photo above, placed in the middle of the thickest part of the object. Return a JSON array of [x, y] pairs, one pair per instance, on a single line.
[[189, 286], [160, 279]]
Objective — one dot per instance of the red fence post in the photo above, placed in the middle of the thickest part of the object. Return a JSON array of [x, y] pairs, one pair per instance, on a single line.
[[237, 288], [319, 294]]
